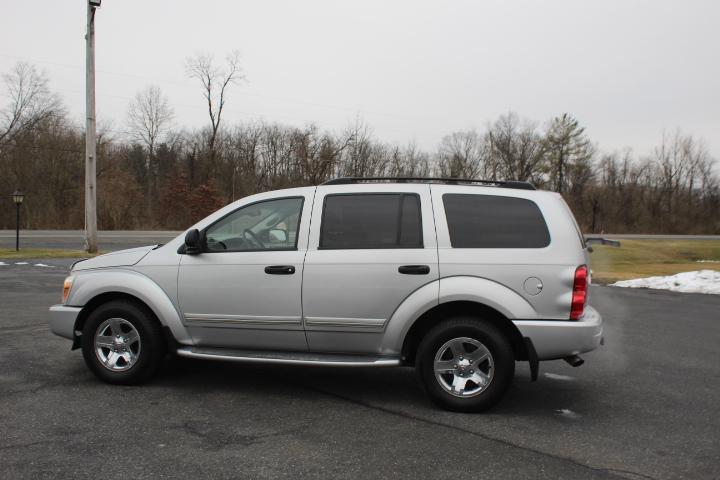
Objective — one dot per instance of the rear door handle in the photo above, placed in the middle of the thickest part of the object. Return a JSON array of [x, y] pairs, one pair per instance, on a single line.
[[280, 269], [414, 269]]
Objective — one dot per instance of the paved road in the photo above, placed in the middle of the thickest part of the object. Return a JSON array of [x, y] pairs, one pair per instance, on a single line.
[[118, 239], [643, 236], [108, 240], [644, 406]]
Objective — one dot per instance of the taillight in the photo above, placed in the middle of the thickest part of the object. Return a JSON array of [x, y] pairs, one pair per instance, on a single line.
[[579, 292]]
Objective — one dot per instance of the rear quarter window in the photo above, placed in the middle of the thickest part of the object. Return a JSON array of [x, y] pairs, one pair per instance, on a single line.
[[491, 221]]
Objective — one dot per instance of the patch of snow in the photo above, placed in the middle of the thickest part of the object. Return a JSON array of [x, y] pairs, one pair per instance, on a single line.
[[3, 264], [567, 413], [708, 261], [702, 281], [43, 265], [22, 263], [555, 376]]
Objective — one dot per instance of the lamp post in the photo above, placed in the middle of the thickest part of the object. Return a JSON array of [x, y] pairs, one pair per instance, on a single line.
[[18, 198]]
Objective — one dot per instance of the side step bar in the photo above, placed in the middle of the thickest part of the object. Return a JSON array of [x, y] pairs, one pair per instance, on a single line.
[[289, 358]]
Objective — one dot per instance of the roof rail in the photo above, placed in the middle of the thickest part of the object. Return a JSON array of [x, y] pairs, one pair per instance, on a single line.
[[517, 184]]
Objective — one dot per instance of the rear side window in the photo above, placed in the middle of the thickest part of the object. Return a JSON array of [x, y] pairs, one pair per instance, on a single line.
[[371, 221], [489, 221]]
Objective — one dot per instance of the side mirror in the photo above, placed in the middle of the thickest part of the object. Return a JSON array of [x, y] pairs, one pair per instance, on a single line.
[[193, 242], [277, 235]]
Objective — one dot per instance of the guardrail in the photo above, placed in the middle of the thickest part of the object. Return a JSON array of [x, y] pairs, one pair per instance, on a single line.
[[602, 241]]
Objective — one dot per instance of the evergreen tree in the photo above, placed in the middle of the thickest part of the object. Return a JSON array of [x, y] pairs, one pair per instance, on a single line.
[[566, 146]]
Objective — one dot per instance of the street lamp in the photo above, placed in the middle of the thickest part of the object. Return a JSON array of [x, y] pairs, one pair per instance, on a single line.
[[18, 198]]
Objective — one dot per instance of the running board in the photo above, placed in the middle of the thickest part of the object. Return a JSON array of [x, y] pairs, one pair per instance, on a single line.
[[289, 358]]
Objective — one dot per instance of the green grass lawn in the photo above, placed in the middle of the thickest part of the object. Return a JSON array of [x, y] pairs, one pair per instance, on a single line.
[[10, 253], [647, 258]]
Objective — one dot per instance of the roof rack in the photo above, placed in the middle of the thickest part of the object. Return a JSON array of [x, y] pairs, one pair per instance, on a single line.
[[517, 184]]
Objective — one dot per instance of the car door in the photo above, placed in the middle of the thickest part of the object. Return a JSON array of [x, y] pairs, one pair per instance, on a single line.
[[243, 290], [370, 247]]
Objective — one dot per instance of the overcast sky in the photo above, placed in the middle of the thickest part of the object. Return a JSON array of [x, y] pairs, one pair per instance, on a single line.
[[413, 70]]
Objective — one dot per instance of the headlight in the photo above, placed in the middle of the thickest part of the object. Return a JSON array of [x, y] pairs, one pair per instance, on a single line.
[[66, 288]]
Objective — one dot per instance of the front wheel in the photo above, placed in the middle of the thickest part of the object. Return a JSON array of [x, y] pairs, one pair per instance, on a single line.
[[122, 343], [465, 364]]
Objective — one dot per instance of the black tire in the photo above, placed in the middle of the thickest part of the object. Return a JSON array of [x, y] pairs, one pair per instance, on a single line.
[[488, 335], [150, 349]]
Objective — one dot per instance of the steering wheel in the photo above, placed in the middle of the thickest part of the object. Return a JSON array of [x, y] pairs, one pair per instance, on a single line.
[[217, 242], [254, 238]]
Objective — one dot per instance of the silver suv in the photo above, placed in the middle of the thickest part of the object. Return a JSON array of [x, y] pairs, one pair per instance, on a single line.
[[458, 278]]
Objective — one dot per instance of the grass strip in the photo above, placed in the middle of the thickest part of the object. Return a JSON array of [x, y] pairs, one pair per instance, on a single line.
[[11, 254], [648, 258]]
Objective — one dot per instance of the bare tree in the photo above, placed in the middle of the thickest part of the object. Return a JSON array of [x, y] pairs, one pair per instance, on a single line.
[[214, 81], [31, 101], [408, 162], [673, 189], [461, 155], [516, 148], [363, 157], [682, 163], [149, 117], [317, 154]]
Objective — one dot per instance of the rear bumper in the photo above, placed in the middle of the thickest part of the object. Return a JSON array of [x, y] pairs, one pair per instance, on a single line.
[[62, 320], [555, 339]]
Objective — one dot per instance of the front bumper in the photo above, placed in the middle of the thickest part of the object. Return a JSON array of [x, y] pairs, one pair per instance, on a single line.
[[554, 339], [62, 320]]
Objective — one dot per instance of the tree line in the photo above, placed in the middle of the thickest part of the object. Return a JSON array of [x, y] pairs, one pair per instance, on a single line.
[[158, 176]]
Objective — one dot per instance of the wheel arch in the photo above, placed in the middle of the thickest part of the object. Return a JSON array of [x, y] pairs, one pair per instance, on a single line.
[[106, 297], [454, 296], [461, 308], [95, 288]]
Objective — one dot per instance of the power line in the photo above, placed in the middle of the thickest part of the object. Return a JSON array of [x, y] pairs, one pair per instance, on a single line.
[[191, 85], [227, 110]]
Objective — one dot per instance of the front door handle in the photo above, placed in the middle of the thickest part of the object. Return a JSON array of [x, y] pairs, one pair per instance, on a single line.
[[414, 269], [280, 269]]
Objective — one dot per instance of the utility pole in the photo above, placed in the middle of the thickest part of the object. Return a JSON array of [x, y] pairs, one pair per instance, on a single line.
[[90, 138]]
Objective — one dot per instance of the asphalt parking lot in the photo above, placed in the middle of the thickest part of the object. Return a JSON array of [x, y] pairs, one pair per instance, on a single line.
[[644, 406]]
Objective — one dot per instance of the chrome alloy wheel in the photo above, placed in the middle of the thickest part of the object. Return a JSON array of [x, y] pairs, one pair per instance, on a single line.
[[464, 367], [117, 344]]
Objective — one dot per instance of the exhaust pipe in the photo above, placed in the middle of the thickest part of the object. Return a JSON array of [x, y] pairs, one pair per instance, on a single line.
[[574, 360]]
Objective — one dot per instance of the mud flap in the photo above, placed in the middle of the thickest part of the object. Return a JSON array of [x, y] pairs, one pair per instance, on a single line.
[[532, 359]]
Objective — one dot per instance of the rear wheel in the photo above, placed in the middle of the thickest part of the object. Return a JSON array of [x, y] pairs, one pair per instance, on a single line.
[[465, 364], [122, 343]]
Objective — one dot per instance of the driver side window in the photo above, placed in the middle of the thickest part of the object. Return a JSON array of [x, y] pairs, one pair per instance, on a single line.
[[268, 225]]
